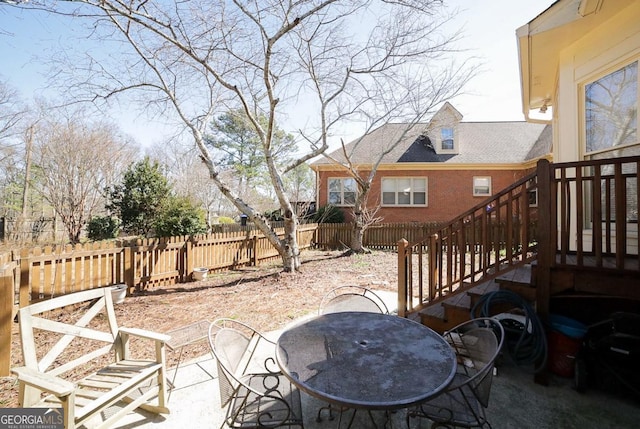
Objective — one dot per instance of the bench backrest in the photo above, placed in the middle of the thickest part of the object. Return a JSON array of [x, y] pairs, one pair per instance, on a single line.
[[61, 325]]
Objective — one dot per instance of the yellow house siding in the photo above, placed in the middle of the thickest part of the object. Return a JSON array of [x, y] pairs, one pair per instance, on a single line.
[[607, 47]]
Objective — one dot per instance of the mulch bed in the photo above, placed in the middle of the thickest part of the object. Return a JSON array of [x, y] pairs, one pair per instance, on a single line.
[[264, 296]]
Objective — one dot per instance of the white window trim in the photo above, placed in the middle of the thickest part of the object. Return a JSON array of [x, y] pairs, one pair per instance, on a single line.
[[342, 203], [395, 178], [481, 194]]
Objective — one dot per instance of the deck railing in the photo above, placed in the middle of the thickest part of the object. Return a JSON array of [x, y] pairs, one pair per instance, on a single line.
[[479, 244], [587, 208], [592, 216]]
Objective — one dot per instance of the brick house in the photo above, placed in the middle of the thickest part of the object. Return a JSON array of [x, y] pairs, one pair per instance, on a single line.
[[437, 170]]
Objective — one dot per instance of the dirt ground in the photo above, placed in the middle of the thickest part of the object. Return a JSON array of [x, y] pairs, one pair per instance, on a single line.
[[264, 296]]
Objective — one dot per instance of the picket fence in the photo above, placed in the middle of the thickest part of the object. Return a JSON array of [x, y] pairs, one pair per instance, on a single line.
[[38, 273]]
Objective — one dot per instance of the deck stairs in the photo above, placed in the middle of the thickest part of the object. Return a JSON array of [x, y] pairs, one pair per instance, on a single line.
[[456, 308], [508, 243], [582, 293]]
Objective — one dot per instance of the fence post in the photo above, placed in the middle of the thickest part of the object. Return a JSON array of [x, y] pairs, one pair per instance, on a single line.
[[190, 260], [129, 272], [6, 319], [402, 277], [254, 251], [25, 280]]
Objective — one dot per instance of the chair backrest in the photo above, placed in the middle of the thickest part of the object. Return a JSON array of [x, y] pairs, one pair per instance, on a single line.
[[89, 323], [235, 346], [477, 344], [352, 298]]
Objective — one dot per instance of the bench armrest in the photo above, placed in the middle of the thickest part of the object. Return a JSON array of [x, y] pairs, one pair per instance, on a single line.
[[43, 381], [143, 333]]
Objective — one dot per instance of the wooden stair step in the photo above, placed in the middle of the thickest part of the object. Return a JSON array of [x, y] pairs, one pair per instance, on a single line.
[[526, 292], [520, 275], [482, 288], [453, 310], [461, 300], [476, 293], [519, 281], [436, 310]]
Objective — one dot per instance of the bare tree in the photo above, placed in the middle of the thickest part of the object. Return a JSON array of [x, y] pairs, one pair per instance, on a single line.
[[339, 62], [13, 180], [75, 161], [12, 112], [300, 183], [415, 93]]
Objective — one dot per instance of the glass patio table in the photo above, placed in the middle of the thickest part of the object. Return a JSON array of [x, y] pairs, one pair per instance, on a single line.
[[366, 360]]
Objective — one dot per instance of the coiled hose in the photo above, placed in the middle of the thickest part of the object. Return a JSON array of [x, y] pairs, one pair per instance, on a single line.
[[526, 349]]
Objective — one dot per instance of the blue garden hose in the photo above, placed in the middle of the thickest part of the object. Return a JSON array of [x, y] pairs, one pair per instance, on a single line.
[[526, 347]]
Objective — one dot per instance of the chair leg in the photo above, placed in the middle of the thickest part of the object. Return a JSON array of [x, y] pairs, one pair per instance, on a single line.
[[329, 408]]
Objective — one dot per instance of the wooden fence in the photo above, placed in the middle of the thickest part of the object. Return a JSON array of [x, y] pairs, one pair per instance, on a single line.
[[37, 273], [42, 272], [383, 236]]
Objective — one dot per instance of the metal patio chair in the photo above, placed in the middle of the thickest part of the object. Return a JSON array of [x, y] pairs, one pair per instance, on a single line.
[[352, 298], [349, 298], [254, 390], [477, 344]]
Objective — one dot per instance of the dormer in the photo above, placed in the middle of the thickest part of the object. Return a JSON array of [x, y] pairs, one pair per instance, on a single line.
[[443, 129]]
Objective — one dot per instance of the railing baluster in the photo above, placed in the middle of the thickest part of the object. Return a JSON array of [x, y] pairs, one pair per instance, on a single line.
[[433, 265], [564, 218], [621, 216], [579, 218], [509, 238], [607, 217], [420, 275], [449, 261], [637, 167], [461, 254], [597, 214]]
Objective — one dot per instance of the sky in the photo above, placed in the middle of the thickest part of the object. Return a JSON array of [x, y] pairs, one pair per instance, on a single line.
[[488, 29]]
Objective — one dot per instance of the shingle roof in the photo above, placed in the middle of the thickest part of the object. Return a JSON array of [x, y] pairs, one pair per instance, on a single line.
[[478, 143]]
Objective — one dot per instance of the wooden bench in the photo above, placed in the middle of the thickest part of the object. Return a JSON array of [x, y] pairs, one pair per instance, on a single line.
[[52, 375]]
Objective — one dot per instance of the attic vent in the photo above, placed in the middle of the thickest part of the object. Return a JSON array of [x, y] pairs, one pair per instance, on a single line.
[[426, 142]]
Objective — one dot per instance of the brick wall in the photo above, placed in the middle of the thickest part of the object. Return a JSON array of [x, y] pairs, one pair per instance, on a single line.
[[449, 192]]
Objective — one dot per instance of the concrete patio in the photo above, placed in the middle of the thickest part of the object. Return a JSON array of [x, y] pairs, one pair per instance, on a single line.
[[516, 402]]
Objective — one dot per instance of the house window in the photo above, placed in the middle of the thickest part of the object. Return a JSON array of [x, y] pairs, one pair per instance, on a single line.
[[342, 191], [404, 191], [611, 131], [611, 110], [481, 186], [446, 139]]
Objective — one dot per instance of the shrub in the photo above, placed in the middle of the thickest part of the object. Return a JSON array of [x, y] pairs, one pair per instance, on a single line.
[[273, 216], [180, 217], [226, 219], [103, 228]]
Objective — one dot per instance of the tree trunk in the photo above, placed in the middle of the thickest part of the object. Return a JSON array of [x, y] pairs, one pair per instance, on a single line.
[[357, 236], [289, 250], [359, 224]]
